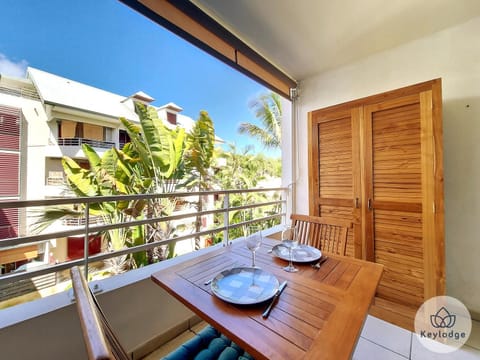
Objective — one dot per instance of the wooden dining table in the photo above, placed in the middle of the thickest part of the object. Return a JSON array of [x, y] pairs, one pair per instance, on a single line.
[[319, 315]]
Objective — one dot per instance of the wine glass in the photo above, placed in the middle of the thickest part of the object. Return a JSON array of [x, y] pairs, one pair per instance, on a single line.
[[290, 241], [253, 238]]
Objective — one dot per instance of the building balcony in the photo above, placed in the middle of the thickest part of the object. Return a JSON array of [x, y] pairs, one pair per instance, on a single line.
[[81, 141], [72, 147], [48, 312], [143, 315]]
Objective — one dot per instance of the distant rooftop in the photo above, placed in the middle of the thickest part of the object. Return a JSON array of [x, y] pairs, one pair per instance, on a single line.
[[57, 90]]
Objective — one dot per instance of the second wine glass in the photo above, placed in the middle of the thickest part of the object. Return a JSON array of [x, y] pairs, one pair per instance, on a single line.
[[253, 235], [290, 241]]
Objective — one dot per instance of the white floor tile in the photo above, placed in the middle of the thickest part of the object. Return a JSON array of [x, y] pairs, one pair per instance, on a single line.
[[367, 350], [420, 352], [387, 335], [474, 339]]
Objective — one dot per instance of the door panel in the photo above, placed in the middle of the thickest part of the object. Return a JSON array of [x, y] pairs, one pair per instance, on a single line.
[[333, 166], [398, 246], [396, 193], [397, 175], [335, 158]]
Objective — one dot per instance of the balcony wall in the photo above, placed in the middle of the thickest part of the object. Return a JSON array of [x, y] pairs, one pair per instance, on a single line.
[[142, 314], [451, 55], [74, 150]]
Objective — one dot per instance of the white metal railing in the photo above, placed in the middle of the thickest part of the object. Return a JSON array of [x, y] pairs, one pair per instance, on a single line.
[[87, 229], [55, 181], [79, 141], [81, 221]]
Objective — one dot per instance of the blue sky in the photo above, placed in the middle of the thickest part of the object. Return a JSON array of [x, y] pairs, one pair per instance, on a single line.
[[105, 44]]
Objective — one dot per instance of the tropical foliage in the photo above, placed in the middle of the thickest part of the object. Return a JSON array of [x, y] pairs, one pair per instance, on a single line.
[[161, 160], [268, 110], [151, 162], [200, 146], [246, 170]]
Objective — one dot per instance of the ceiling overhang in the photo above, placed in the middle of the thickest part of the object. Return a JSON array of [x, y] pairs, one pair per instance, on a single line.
[[192, 24]]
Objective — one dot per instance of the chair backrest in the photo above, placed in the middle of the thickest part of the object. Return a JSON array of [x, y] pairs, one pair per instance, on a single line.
[[326, 234], [100, 340]]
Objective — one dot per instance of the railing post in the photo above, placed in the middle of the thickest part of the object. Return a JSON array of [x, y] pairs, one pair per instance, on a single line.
[[226, 205], [86, 239], [286, 193]]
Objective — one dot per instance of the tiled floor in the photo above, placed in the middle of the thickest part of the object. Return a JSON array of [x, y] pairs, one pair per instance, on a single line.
[[383, 341], [379, 341]]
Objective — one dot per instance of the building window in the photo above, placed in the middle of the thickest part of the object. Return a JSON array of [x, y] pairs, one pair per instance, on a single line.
[[79, 130], [172, 118], [123, 138]]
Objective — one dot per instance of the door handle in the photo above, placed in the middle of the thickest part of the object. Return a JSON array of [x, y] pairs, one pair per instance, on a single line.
[[369, 204], [357, 203]]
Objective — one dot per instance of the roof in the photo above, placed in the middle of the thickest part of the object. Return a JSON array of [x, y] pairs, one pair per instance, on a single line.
[[57, 90], [60, 91], [171, 106]]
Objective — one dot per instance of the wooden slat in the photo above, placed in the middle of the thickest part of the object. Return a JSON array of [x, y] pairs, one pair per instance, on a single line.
[[396, 128], [434, 257], [326, 234], [398, 314], [439, 277], [398, 246], [335, 150]]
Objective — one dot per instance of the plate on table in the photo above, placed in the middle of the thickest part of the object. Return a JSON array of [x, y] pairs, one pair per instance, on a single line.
[[244, 285], [300, 254]]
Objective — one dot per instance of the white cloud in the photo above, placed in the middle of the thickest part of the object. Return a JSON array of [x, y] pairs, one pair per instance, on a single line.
[[10, 68]]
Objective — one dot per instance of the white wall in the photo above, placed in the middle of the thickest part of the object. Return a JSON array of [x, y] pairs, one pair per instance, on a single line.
[[141, 313], [37, 134], [454, 55]]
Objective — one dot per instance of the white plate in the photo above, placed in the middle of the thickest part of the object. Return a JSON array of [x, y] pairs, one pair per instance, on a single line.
[[301, 254], [244, 285]]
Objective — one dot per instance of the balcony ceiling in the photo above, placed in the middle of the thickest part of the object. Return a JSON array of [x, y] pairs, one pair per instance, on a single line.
[[307, 37]]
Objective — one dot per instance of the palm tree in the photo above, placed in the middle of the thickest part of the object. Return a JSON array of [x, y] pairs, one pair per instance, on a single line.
[[244, 170], [200, 144], [268, 109]]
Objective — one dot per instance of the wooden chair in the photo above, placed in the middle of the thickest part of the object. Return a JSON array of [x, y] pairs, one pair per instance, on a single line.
[[100, 340], [326, 234]]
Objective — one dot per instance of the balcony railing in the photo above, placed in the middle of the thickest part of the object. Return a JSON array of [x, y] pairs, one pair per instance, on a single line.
[[80, 141], [55, 181], [81, 221], [271, 208], [20, 91]]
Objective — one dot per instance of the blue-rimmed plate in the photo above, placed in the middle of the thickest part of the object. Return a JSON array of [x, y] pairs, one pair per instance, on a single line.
[[244, 285], [300, 254]]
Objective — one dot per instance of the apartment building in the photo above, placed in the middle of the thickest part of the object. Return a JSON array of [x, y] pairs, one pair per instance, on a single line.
[[44, 117]]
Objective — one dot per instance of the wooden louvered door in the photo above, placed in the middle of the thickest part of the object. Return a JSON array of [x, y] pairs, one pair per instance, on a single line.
[[398, 211], [336, 162], [379, 160]]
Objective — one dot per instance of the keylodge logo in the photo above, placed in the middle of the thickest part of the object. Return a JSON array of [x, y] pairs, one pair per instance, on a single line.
[[443, 319]]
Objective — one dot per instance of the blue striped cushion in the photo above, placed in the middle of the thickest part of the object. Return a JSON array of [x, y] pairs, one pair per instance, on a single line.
[[209, 344]]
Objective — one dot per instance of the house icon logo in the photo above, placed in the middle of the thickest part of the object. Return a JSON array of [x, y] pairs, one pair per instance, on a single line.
[[443, 324]]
